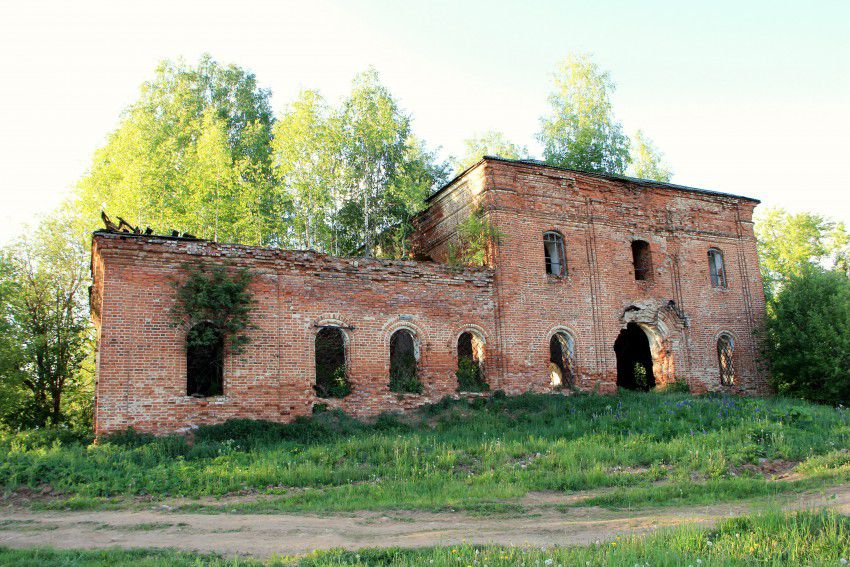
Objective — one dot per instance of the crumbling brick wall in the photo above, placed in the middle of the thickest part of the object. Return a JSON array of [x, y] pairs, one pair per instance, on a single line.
[[142, 357]]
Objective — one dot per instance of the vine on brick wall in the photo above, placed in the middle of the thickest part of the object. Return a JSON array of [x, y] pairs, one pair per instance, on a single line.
[[475, 235], [218, 296]]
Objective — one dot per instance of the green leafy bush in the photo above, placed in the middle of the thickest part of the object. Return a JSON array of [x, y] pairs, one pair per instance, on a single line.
[[470, 378], [47, 437], [403, 378], [333, 383], [807, 337]]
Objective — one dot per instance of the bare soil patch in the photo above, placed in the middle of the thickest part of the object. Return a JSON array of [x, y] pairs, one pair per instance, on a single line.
[[262, 535]]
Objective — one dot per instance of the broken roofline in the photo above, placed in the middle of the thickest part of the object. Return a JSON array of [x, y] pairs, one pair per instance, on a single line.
[[612, 177], [199, 247]]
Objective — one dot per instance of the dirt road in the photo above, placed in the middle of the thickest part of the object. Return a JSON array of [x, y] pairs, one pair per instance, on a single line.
[[264, 535]]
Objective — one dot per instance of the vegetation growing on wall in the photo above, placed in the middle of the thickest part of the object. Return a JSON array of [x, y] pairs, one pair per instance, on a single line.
[[218, 296], [476, 234]]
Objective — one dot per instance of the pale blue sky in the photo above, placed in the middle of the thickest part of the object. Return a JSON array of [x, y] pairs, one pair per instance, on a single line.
[[745, 97]]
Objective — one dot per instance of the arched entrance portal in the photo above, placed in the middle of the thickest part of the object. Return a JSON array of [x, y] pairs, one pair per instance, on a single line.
[[634, 359]]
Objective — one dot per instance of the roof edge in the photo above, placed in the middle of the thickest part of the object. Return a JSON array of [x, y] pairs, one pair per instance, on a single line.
[[612, 177]]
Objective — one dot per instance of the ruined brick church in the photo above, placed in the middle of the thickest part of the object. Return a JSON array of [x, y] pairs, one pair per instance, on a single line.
[[597, 282]]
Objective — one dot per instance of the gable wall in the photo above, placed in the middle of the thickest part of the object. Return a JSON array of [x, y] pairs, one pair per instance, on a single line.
[[599, 218]]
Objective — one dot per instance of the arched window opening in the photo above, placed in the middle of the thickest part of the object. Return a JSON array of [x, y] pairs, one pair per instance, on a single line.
[[204, 361], [331, 369], [642, 259], [556, 259], [562, 360], [716, 268], [726, 359], [404, 360], [470, 370]]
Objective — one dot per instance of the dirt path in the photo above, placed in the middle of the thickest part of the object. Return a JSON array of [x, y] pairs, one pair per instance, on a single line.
[[264, 535]]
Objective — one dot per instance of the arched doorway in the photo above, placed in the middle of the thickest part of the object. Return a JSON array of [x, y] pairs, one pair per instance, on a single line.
[[634, 359]]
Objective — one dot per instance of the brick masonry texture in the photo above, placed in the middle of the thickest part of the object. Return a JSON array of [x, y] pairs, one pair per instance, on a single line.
[[513, 305]]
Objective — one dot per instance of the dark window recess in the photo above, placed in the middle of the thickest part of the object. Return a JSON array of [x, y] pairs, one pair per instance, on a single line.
[[470, 373], [561, 360], [642, 259], [634, 359], [717, 268], [725, 358], [556, 259], [331, 370], [403, 363], [204, 361]]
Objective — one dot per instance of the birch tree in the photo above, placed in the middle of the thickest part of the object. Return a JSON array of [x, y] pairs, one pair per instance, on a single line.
[[647, 160], [581, 131]]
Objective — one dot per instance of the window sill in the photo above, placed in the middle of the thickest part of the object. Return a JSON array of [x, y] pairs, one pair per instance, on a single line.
[[208, 399]]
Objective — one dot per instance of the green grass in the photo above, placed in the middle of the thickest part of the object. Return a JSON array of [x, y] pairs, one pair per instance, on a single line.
[[807, 538], [644, 449]]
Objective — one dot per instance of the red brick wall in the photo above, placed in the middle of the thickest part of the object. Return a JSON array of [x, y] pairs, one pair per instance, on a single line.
[[142, 359], [599, 217], [515, 305]]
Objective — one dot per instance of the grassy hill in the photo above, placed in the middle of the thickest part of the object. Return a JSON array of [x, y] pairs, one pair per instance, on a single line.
[[480, 456]]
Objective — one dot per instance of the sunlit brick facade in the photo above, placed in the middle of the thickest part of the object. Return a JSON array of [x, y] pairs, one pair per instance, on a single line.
[[680, 309]]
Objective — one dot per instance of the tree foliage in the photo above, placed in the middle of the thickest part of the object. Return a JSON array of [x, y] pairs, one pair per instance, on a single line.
[[807, 337], [647, 160], [581, 132], [492, 143], [200, 152], [47, 338], [354, 174], [789, 244], [307, 165], [193, 154]]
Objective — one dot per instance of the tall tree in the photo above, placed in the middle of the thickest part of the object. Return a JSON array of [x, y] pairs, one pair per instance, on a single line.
[[12, 355], [581, 132], [647, 160], [214, 181], [172, 147], [789, 244], [388, 172], [807, 336], [308, 165], [491, 142], [49, 315], [376, 132]]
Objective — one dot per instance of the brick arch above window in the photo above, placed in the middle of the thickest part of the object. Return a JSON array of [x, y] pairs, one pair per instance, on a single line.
[[395, 324], [468, 328]]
